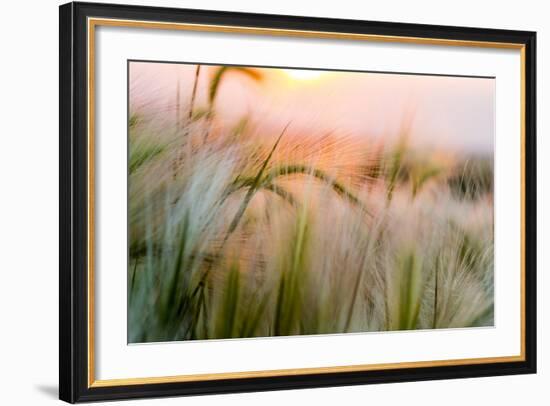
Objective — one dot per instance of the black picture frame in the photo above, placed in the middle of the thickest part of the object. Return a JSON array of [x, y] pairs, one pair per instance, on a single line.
[[73, 254]]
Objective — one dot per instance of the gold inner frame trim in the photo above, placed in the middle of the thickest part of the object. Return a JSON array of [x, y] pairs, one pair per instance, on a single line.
[[94, 22]]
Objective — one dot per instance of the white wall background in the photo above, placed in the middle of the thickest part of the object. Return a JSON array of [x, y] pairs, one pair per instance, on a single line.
[[29, 203]]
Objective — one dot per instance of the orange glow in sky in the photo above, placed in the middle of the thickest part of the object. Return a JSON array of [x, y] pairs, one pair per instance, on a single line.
[[447, 113], [299, 74]]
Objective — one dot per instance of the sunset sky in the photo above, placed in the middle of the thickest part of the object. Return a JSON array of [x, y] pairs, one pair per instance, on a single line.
[[445, 113]]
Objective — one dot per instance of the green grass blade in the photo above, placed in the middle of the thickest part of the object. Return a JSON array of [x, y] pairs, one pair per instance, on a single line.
[[228, 316]]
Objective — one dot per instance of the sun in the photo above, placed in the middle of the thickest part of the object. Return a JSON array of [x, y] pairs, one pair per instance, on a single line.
[[301, 74]]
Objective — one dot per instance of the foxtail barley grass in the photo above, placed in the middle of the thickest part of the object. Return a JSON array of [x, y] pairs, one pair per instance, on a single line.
[[233, 233]]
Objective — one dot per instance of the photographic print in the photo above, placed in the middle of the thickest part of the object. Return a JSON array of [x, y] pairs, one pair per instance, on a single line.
[[267, 196], [273, 202]]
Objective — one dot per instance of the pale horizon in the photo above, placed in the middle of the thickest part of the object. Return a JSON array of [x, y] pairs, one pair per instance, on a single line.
[[441, 112]]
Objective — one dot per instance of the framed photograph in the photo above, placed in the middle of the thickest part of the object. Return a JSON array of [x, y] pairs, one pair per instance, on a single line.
[[256, 202]]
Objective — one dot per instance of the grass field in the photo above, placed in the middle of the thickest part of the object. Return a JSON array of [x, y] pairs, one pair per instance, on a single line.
[[238, 231]]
